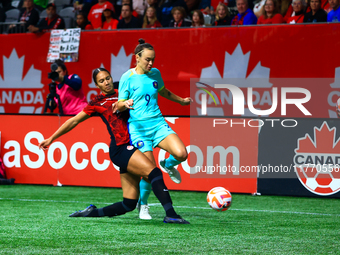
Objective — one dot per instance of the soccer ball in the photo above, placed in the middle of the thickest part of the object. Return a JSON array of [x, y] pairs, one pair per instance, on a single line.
[[219, 199]]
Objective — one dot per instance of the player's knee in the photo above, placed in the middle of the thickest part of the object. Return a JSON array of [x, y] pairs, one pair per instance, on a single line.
[[181, 155], [129, 204]]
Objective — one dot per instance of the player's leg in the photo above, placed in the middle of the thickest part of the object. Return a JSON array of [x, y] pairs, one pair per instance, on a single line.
[[145, 190], [130, 198], [174, 145]]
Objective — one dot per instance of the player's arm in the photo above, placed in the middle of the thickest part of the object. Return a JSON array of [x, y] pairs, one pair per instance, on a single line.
[[164, 92], [66, 127], [122, 105]]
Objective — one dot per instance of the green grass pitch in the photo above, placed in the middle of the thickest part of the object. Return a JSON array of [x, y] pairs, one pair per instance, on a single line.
[[34, 220]]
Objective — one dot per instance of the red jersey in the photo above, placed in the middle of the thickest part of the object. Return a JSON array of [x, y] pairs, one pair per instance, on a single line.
[[95, 14], [276, 19], [116, 123], [112, 25]]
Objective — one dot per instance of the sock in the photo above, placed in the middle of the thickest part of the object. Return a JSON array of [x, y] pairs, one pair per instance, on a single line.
[[7, 181], [170, 162], [144, 190], [161, 192], [119, 208]]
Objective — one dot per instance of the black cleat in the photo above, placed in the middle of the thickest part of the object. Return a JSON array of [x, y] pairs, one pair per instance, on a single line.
[[85, 212], [178, 220]]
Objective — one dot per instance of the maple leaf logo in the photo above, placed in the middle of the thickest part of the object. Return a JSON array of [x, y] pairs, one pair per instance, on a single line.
[[119, 65], [234, 72], [13, 72], [317, 161]]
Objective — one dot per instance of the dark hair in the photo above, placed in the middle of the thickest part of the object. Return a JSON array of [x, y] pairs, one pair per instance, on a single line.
[[103, 17], [97, 71], [61, 64], [130, 5], [141, 46]]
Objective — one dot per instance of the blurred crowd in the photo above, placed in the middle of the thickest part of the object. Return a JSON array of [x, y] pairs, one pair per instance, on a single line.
[[44, 15]]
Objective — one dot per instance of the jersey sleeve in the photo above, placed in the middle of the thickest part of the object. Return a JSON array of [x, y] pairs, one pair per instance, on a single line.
[[159, 79], [89, 110], [124, 88]]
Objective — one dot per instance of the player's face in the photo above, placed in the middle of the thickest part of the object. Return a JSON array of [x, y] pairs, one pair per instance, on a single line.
[[145, 62], [315, 5], [242, 6], [61, 73], [104, 82]]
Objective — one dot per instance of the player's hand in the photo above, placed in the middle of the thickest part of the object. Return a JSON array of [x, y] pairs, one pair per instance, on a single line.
[[186, 101], [44, 144], [128, 104]]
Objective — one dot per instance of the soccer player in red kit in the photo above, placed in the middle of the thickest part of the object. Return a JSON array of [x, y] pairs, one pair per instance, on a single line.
[[133, 163]]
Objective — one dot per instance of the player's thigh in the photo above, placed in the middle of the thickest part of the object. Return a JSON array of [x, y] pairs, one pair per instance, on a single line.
[[130, 185], [150, 156], [140, 165], [174, 145]]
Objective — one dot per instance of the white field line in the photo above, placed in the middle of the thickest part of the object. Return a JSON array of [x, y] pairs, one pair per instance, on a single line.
[[186, 207]]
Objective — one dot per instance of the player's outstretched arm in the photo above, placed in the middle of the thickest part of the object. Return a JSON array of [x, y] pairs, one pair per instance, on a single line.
[[171, 96], [66, 127]]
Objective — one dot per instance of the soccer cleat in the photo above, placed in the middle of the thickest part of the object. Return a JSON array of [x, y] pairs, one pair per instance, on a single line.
[[84, 212], [178, 220], [173, 172], [144, 212]]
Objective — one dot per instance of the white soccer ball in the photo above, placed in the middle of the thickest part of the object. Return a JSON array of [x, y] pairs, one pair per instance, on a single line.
[[219, 199]]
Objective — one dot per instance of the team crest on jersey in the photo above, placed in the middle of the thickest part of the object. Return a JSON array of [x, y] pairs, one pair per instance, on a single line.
[[129, 147], [140, 144], [155, 84]]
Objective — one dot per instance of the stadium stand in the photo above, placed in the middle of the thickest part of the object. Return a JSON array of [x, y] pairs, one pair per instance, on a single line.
[[12, 15], [68, 15]]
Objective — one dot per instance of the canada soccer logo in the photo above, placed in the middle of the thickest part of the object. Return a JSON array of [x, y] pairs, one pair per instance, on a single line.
[[317, 161]]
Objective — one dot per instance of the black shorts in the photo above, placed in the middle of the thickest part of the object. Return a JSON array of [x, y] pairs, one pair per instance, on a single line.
[[121, 154]]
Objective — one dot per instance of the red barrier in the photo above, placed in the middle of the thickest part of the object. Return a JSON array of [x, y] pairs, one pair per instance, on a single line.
[[81, 157], [282, 51]]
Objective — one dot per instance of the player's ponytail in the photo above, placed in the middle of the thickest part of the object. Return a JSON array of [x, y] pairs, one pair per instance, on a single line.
[[96, 72], [141, 46]]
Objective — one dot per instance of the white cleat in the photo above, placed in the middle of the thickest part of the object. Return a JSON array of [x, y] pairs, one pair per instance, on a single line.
[[173, 173], [144, 212]]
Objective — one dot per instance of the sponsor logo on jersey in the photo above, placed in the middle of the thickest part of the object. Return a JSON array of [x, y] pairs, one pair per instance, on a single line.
[[155, 84], [129, 147], [140, 144]]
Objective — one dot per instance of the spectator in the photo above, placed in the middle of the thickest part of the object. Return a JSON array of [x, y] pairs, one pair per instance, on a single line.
[[109, 21], [128, 21], [271, 13], [70, 90], [334, 15], [286, 9], [82, 22], [154, 4], [298, 14], [84, 6], [222, 17], [28, 15], [179, 14], [197, 19], [134, 13], [245, 15], [317, 14], [150, 18], [165, 15], [41, 4], [95, 14], [52, 21]]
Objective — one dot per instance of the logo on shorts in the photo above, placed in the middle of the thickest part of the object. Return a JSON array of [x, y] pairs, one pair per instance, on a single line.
[[129, 147], [140, 144], [155, 84]]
